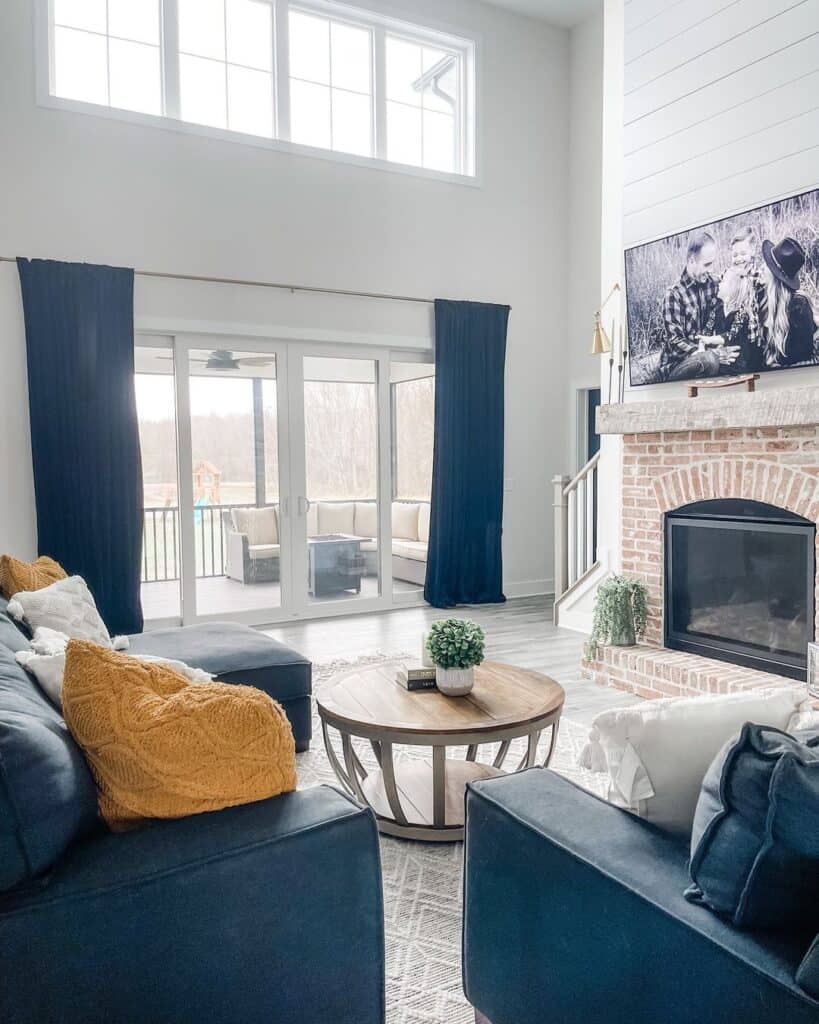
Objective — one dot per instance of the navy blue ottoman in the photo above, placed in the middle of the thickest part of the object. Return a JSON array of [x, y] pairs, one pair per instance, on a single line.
[[238, 654]]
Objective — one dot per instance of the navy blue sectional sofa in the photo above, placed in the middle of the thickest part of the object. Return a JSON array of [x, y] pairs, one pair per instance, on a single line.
[[574, 913], [270, 913]]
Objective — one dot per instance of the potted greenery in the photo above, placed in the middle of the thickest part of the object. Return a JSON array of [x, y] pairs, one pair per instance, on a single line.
[[620, 610], [455, 647]]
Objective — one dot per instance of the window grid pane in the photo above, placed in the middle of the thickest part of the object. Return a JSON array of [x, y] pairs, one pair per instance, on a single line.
[[109, 52], [331, 76]]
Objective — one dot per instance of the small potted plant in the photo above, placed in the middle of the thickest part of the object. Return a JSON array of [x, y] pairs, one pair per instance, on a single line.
[[620, 610], [455, 647]]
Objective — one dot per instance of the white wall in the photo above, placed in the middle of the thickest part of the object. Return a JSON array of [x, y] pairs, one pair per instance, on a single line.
[[711, 109], [76, 187], [585, 201], [720, 116]]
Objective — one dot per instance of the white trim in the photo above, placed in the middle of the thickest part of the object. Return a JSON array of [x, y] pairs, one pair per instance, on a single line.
[[153, 325], [468, 49], [529, 588]]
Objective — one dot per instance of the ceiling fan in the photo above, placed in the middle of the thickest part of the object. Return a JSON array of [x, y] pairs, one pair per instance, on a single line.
[[222, 359]]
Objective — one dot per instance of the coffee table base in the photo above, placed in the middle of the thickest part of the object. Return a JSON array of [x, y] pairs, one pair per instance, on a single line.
[[414, 781], [422, 799]]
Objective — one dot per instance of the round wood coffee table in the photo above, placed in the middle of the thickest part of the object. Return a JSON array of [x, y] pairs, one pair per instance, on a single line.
[[419, 798]]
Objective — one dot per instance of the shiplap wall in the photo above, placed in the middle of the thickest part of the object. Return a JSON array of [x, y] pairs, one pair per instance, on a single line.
[[721, 109]]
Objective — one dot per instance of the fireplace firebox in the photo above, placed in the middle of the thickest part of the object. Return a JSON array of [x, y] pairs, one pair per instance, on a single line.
[[739, 584]]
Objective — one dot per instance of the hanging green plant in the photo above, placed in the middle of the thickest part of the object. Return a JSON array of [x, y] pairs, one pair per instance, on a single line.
[[620, 613]]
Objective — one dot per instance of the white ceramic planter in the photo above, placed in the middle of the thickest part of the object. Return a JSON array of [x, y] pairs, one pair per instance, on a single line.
[[455, 682]]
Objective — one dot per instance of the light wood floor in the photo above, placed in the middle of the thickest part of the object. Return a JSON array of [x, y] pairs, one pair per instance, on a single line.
[[520, 632]]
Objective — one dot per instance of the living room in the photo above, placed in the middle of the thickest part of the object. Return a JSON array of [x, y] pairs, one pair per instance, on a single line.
[[408, 555]]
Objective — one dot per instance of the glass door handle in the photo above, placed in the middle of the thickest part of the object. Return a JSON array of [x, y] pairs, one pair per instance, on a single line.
[[285, 507], [304, 505]]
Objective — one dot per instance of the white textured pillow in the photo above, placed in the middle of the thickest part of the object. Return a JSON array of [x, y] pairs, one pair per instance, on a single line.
[[657, 753], [45, 660], [66, 606]]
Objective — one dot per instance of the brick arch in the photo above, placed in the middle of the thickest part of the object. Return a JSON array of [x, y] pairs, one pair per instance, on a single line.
[[755, 480]]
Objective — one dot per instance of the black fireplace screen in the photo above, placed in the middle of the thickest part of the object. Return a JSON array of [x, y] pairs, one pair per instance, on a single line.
[[739, 584]]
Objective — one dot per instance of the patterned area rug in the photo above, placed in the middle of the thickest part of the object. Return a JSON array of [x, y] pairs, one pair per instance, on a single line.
[[422, 881]]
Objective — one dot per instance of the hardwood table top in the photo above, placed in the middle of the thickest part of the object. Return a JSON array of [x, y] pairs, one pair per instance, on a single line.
[[369, 702]]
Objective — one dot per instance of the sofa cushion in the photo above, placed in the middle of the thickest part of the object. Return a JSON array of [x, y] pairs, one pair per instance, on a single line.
[[336, 517], [657, 753], [414, 549], [47, 796], [264, 550], [807, 977], [366, 519], [755, 842], [423, 522], [234, 654], [405, 520], [16, 575], [261, 525], [162, 747], [312, 519]]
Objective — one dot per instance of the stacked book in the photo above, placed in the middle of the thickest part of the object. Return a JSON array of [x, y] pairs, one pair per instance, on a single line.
[[416, 677]]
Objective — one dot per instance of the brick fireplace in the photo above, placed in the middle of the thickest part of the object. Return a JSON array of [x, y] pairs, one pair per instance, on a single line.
[[761, 447]]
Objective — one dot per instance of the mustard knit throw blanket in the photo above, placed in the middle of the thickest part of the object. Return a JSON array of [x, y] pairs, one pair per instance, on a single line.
[[162, 747]]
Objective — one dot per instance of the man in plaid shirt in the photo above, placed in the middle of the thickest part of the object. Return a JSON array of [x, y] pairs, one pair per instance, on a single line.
[[691, 348]]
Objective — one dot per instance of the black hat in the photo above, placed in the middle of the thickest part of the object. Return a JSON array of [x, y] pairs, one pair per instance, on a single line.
[[785, 260]]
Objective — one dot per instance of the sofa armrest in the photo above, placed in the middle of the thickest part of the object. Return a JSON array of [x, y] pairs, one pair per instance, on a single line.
[[266, 912], [237, 556], [574, 905]]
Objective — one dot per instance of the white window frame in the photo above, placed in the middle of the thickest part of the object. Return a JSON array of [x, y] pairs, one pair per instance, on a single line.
[[438, 36]]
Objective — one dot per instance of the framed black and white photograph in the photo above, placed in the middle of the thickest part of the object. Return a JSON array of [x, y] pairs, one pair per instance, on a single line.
[[740, 295]]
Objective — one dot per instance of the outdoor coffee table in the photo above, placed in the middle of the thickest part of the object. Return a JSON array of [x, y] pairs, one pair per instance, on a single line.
[[422, 798], [335, 564]]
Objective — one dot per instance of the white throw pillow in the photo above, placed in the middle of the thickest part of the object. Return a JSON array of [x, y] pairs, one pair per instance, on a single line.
[[657, 753], [366, 519], [404, 520], [66, 606], [336, 517], [423, 522], [45, 660]]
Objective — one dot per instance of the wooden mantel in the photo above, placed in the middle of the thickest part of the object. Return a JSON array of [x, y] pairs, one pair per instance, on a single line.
[[787, 407]]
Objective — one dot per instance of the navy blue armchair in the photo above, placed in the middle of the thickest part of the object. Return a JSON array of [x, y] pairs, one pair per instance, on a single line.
[[574, 912]]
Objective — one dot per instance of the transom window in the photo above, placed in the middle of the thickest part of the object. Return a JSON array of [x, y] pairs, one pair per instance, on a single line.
[[313, 73]]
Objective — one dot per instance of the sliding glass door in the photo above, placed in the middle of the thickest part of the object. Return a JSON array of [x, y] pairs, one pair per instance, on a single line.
[[282, 479]]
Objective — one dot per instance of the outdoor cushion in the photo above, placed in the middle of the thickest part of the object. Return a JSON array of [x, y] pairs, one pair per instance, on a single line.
[[366, 519], [336, 517], [234, 654], [423, 522], [755, 843], [264, 550], [312, 520], [259, 524], [162, 747], [369, 545], [47, 796], [414, 549], [405, 520]]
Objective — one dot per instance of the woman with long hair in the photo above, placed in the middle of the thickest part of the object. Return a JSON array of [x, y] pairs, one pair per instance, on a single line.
[[787, 321]]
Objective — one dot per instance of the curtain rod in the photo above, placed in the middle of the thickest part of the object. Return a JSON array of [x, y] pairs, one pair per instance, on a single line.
[[269, 284]]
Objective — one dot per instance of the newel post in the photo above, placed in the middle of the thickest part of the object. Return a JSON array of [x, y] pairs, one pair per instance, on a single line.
[[561, 513]]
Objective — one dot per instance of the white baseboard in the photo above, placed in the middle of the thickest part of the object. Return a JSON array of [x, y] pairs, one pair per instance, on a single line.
[[529, 588]]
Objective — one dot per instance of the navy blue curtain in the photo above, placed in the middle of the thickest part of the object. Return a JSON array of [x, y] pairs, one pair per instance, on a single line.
[[84, 434], [464, 562]]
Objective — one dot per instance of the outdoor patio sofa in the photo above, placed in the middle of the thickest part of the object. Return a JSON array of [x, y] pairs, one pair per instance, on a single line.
[[253, 549]]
